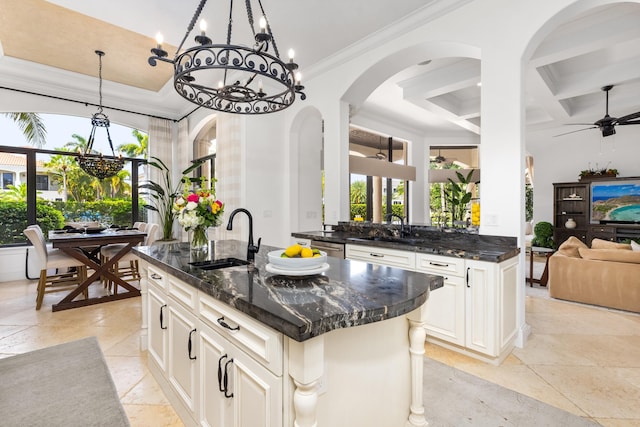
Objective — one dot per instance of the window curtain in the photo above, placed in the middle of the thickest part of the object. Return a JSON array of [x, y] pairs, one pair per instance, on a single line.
[[160, 135], [229, 187], [529, 169]]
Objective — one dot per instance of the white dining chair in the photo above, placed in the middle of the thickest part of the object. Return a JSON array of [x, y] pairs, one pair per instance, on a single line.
[[127, 267], [69, 272]]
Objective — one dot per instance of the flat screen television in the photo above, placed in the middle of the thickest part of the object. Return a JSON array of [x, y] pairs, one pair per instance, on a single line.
[[615, 202]]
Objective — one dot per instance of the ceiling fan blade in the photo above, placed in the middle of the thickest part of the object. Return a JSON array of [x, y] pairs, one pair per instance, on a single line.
[[574, 131], [622, 120]]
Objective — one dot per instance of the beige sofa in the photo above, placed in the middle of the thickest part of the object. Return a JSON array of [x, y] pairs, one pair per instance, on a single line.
[[607, 274]]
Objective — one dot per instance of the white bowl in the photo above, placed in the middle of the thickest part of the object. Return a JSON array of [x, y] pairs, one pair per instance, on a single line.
[[296, 263]]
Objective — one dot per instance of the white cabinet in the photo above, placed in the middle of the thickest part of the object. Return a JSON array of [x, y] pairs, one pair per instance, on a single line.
[[382, 256], [158, 312], [236, 390], [183, 372], [217, 366], [446, 309], [475, 310]]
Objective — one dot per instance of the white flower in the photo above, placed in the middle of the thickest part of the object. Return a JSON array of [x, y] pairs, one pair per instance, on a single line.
[[191, 206]]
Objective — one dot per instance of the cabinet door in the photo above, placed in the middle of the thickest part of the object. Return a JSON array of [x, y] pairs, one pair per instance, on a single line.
[[257, 393], [480, 307], [213, 358], [445, 311], [183, 363], [158, 321]]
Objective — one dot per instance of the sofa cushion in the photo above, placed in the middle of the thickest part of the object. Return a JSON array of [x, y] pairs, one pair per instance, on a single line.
[[607, 244], [635, 246], [570, 247], [616, 255]]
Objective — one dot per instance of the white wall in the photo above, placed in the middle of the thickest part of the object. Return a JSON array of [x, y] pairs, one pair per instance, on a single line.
[[562, 158]]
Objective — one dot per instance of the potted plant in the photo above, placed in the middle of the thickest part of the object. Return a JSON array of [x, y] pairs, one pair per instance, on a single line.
[[162, 195], [458, 197], [598, 173], [543, 235]]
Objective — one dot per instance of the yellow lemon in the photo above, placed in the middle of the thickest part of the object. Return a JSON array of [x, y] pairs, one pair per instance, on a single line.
[[306, 253], [293, 250]]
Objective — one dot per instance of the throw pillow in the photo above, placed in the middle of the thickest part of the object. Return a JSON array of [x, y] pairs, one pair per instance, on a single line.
[[570, 247], [635, 246], [610, 255], [607, 244]]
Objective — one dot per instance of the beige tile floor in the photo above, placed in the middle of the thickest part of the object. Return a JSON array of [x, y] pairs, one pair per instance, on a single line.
[[582, 359]]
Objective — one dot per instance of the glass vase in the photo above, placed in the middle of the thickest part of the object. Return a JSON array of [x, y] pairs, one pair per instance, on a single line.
[[199, 239]]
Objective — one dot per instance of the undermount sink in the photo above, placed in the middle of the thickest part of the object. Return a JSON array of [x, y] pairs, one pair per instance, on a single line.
[[219, 263], [391, 239]]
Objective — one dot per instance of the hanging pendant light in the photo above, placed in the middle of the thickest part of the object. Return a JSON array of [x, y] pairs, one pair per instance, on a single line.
[[91, 161], [228, 76]]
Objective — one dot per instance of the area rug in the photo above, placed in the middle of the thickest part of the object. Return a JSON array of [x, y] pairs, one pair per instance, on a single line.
[[453, 398], [64, 385]]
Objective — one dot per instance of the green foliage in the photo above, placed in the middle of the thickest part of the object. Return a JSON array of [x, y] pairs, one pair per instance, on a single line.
[[14, 220], [528, 203], [543, 235], [458, 197], [361, 209], [162, 195], [118, 209]]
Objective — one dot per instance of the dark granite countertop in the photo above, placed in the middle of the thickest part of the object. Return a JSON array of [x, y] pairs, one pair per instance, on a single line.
[[349, 293], [421, 240]]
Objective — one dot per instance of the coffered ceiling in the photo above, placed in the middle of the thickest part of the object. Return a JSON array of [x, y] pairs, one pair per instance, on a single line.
[[42, 39]]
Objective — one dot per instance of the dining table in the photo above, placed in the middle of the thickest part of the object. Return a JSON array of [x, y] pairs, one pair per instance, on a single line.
[[85, 246]]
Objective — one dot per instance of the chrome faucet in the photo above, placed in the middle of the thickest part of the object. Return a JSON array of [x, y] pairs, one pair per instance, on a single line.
[[403, 232], [251, 248]]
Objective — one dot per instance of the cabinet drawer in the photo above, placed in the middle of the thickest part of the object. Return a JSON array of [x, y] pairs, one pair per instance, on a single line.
[[602, 230], [264, 344], [183, 293], [382, 256], [157, 277], [437, 264]]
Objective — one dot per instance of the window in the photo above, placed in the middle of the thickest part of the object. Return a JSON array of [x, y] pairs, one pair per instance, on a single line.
[[42, 182], [7, 180]]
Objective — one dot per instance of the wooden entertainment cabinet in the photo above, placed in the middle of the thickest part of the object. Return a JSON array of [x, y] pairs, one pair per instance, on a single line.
[[571, 200]]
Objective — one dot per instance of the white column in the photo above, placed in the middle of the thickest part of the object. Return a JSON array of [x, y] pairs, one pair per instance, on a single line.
[[417, 336], [306, 367]]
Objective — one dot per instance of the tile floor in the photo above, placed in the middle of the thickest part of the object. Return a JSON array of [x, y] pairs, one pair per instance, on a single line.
[[578, 358]]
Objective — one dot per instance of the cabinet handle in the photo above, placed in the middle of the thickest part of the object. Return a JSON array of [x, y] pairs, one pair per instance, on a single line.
[[468, 268], [226, 379], [224, 356], [162, 317], [189, 345], [226, 325], [156, 276], [437, 264], [376, 255]]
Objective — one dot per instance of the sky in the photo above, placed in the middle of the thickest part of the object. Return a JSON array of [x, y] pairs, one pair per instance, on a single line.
[[59, 130]]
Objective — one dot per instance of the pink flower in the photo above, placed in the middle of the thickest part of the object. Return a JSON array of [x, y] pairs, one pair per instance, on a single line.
[[193, 198]]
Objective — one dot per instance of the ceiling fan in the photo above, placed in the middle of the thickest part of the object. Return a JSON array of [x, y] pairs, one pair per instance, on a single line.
[[607, 124], [379, 155], [439, 159]]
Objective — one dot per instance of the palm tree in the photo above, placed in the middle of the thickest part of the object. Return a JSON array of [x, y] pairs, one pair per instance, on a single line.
[[32, 127], [79, 145], [14, 193], [60, 165], [358, 192], [134, 149]]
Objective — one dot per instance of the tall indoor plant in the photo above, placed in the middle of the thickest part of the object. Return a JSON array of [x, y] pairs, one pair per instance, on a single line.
[[162, 195]]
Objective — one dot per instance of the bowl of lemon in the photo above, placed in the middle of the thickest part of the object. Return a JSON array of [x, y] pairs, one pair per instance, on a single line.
[[297, 258]]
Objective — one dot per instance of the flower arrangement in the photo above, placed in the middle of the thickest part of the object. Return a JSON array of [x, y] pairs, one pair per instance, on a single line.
[[198, 210]]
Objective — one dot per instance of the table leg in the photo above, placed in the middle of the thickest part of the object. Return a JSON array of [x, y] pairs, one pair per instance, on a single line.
[[99, 270]]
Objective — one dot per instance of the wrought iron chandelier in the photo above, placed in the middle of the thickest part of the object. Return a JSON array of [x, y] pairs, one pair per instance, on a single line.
[[229, 77], [92, 162]]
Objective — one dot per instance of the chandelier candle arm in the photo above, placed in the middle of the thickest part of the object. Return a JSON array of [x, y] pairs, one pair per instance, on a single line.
[[222, 77]]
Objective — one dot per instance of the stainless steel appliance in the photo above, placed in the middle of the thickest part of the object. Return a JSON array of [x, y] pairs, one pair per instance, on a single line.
[[332, 249]]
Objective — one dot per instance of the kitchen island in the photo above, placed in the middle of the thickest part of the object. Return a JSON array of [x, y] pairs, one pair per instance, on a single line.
[[241, 346], [479, 311]]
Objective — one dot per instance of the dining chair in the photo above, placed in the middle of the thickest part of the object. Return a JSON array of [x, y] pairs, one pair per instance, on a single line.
[[69, 272], [128, 266]]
